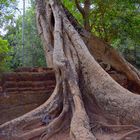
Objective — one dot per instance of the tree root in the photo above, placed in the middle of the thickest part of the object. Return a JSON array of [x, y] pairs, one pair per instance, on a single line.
[[111, 127], [118, 126], [31, 134], [53, 127], [57, 124], [129, 134]]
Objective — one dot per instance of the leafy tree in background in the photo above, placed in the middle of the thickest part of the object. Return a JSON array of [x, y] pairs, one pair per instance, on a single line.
[[4, 55], [7, 11], [33, 47], [114, 21], [8, 8], [33, 51], [109, 19]]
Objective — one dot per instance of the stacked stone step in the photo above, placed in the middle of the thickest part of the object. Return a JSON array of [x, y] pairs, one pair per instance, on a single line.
[[24, 90]]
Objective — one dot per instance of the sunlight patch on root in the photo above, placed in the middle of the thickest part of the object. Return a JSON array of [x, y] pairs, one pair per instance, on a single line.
[[79, 128]]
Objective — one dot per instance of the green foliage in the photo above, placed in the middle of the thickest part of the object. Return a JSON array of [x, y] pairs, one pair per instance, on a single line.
[[7, 12], [115, 21], [70, 5], [33, 50], [111, 20], [4, 54]]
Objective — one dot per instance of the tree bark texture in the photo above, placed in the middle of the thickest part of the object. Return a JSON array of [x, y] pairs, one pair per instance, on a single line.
[[87, 104]]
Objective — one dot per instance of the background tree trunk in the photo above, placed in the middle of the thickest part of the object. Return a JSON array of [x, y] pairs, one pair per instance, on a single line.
[[86, 102]]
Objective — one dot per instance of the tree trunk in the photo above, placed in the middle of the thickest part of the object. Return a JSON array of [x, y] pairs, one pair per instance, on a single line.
[[87, 104], [105, 54]]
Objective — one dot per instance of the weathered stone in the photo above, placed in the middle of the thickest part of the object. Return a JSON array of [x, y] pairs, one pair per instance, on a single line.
[[24, 90]]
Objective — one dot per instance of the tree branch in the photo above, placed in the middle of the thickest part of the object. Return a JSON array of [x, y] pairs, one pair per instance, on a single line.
[[81, 10], [87, 4]]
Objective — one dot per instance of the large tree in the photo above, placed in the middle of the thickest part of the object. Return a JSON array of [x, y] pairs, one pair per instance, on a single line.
[[86, 104]]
